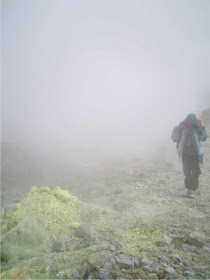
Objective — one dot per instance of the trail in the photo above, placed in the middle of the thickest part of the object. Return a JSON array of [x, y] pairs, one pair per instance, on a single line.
[[134, 212]]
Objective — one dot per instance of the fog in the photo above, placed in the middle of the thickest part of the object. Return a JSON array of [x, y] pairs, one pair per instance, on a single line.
[[96, 79]]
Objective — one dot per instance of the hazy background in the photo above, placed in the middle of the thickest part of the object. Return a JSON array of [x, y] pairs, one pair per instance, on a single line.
[[101, 78]]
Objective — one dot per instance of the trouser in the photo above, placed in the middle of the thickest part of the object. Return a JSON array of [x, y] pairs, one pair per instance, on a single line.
[[191, 168]]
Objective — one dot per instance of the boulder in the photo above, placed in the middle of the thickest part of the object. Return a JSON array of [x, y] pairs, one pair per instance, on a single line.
[[104, 273], [83, 232], [76, 274], [188, 248], [146, 262], [176, 258], [206, 248], [167, 239], [150, 266], [125, 261], [196, 239], [170, 273]]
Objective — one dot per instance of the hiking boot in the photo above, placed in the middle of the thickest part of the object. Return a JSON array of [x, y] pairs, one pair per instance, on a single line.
[[190, 194]]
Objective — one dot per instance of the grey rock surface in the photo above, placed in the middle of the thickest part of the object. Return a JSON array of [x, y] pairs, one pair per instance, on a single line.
[[170, 273], [196, 239], [189, 248], [125, 261]]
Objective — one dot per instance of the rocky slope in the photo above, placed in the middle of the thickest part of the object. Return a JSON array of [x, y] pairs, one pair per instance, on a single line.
[[136, 223]]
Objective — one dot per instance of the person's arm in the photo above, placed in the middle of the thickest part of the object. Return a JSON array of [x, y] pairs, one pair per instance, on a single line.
[[202, 133]]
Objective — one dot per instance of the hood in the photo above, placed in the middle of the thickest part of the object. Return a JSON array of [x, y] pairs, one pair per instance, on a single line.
[[191, 119]]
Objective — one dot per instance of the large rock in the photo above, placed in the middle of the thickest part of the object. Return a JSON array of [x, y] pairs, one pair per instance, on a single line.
[[206, 248], [125, 261], [150, 265], [176, 258], [104, 273], [170, 273], [83, 232], [146, 262], [167, 239], [188, 274], [188, 248], [196, 239]]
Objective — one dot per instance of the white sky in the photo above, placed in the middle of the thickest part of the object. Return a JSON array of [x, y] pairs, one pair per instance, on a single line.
[[101, 74]]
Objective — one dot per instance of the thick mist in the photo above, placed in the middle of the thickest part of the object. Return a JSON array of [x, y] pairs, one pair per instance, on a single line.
[[101, 79]]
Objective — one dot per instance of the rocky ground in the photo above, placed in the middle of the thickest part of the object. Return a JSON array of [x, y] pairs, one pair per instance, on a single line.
[[131, 220]]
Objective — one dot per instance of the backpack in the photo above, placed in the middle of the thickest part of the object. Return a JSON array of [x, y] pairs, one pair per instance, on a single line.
[[176, 134]]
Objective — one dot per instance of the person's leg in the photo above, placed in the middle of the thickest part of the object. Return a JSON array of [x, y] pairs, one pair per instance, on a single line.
[[187, 171], [196, 171], [187, 182]]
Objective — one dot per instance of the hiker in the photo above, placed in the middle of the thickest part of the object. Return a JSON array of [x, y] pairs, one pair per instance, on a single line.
[[188, 135]]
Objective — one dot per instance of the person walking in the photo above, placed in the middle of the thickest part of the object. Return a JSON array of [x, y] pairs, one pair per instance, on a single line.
[[188, 135]]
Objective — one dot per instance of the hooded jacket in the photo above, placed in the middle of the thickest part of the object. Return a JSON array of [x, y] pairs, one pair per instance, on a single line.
[[196, 132]]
